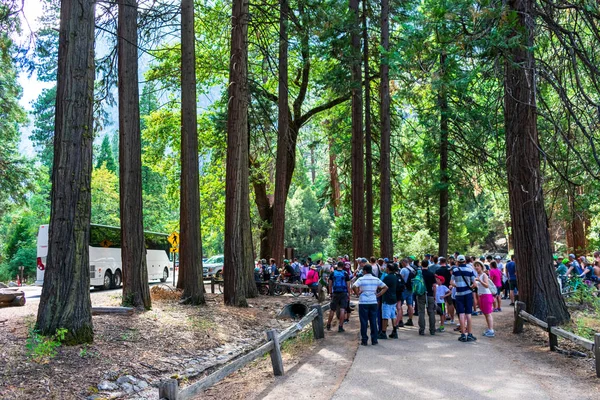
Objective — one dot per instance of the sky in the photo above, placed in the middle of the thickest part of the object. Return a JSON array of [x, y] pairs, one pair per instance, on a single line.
[[32, 9]]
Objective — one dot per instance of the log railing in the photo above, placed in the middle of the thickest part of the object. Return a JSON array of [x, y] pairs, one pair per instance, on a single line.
[[554, 332], [168, 389]]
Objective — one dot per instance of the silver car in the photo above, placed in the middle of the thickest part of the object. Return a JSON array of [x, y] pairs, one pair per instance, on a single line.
[[213, 267]]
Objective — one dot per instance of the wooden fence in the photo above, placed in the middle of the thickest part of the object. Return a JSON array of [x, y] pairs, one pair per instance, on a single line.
[[554, 332], [168, 389]]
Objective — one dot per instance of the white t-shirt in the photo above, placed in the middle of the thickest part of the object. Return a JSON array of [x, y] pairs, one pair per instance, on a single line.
[[480, 288], [440, 292]]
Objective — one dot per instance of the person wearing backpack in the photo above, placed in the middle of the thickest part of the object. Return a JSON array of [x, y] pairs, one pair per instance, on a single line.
[[423, 289], [400, 287], [388, 303], [339, 287], [408, 273]]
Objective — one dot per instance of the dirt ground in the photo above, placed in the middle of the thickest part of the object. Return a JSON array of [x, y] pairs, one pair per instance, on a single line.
[[130, 354]]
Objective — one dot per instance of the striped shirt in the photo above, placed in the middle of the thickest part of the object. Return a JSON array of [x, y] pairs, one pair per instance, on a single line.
[[463, 277], [368, 285]]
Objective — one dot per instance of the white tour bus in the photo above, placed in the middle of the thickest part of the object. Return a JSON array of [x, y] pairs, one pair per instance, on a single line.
[[105, 256]]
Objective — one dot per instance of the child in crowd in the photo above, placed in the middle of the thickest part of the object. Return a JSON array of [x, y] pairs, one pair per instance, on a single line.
[[441, 293]]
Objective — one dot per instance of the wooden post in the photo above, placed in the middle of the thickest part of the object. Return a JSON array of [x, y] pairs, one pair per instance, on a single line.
[[597, 353], [552, 338], [518, 325], [168, 389], [212, 284], [317, 323], [276, 359]]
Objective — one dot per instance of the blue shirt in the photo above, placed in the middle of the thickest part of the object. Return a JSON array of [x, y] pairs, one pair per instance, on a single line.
[[368, 285], [511, 268]]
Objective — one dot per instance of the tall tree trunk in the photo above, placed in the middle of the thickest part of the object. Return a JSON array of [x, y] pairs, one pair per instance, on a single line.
[[238, 239], [385, 217], [444, 211], [65, 300], [190, 248], [283, 141], [368, 150], [357, 162], [335, 181], [136, 292], [538, 287], [576, 226]]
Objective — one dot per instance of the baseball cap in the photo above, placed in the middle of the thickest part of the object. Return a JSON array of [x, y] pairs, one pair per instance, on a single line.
[[412, 258], [363, 260], [427, 255], [572, 255], [286, 261], [498, 258], [386, 260], [461, 258], [441, 278], [481, 258]]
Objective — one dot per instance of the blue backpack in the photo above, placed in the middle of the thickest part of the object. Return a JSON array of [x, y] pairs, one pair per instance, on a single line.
[[339, 281]]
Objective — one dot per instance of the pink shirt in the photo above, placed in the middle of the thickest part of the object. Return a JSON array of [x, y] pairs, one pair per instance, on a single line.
[[312, 277], [496, 276]]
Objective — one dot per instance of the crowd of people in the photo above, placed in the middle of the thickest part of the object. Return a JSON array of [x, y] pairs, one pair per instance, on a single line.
[[454, 288]]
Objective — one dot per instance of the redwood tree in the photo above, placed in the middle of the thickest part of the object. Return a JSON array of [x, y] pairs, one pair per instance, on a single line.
[[65, 300], [136, 292], [283, 141], [444, 211], [190, 248], [385, 217], [538, 287], [368, 141], [357, 162], [238, 266]]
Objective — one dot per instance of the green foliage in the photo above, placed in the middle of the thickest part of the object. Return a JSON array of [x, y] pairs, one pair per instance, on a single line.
[[420, 243], [307, 225], [41, 349], [105, 197], [105, 157]]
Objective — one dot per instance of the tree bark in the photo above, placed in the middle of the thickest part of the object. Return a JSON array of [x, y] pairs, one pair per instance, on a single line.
[[65, 300], [385, 217], [444, 211], [136, 292], [237, 270], [368, 136], [576, 226], [357, 162], [538, 287], [335, 181], [190, 247], [283, 144]]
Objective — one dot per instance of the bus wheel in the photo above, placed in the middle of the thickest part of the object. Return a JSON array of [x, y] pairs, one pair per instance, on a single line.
[[117, 280], [165, 275], [107, 280]]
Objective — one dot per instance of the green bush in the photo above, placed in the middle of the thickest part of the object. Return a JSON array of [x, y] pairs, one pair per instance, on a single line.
[[41, 348]]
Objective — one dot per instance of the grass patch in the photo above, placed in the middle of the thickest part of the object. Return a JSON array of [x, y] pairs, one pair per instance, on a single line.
[[298, 343], [201, 324]]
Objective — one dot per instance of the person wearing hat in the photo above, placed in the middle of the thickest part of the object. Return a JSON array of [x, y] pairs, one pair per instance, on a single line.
[[407, 273], [441, 294], [366, 288], [339, 287], [312, 279], [463, 280]]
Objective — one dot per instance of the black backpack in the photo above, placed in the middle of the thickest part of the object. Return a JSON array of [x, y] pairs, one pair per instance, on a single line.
[[411, 274], [400, 286]]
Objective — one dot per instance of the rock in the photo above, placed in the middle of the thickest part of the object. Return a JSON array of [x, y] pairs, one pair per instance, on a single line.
[[107, 385], [12, 284], [111, 375], [127, 379], [141, 385], [190, 371], [3, 286], [127, 387]]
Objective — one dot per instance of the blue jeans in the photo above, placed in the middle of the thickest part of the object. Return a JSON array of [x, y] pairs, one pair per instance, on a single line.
[[367, 314]]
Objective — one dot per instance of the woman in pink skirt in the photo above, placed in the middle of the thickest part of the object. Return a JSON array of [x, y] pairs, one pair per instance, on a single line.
[[486, 299]]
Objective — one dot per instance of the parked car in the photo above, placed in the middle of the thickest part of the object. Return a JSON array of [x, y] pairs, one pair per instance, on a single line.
[[213, 267]]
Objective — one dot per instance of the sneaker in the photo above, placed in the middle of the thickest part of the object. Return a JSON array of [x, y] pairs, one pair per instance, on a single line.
[[489, 333], [462, 338], [457, 329], [441, 329], [432, 333], [474, 314], [346, 320], [512, 304], [451, 322], [328, 327], [409, 323], [374, 343], [500, 309], [364, 343], [471, 338], [382, 335], [400, 325], [495, 310], [422, 333], [393, 335], [341, 329]]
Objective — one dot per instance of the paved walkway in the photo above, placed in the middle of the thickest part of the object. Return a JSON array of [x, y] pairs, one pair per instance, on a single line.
[[441, 367]]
